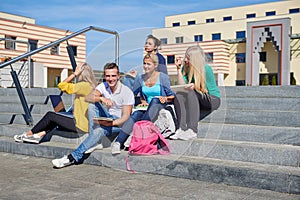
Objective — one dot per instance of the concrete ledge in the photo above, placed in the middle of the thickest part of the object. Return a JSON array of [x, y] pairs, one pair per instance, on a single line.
[[251, 133], [254, 152], [276, 178]]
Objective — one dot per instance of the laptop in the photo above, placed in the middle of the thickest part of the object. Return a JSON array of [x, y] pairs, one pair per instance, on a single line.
[[57, 103]]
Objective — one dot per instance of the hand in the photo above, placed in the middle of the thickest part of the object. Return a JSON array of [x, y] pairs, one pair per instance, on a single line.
[[103, 122], [143, 104], [178, 62], [107, 102], [190, 86], [79, 69], [163, 99]]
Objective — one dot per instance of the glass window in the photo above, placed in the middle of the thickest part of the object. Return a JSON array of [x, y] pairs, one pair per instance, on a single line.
[[54, 50], [164, 40], [198, 38], [176, 24], [227, 18], [270, 13], [10, 43], [294, 10], [210, 20], [263, 56], [216, 36], [209, 57], [171, 59], [252, 15], [240, 57], [191, 22], [74, 48], [179, 40], [240, 82], [240, 34], [33, 44]]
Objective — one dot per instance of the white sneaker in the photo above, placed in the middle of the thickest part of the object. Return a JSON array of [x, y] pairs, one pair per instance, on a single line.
[[177, 134], [115, 148], [94, 148], [61, 162], [187, 135], [19, 138], [35, 138]]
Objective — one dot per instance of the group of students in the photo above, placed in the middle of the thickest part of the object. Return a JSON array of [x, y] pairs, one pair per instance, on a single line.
[[115, 100]]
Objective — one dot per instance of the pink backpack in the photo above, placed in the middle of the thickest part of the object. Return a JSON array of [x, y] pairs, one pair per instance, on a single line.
[[147, 140]]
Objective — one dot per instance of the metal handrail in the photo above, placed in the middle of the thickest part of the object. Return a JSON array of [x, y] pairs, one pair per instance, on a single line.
[[27, 115], [64, 39]]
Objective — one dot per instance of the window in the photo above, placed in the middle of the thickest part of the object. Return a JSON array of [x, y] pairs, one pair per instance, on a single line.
[[10, 43], [179, 40], [198, 38], [33, 44], [270, 13], [164, 40], [240, 34], [209, 57], [240, 82], [176, 24], [74, 49], [252, 15], [211, 20], [263, 56], [240, 57], [171, 59], [216, 36], [294, 10], [191, 22], [54, 50], [228, 18]]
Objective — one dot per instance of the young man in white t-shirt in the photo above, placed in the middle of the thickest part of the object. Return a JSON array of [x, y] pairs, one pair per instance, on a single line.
[[110, 99]]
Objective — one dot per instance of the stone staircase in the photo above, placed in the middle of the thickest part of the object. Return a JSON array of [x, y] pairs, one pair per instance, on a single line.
[[252, 140]]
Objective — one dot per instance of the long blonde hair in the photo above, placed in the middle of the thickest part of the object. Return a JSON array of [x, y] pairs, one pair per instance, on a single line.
[[87, 75], [196, 69]]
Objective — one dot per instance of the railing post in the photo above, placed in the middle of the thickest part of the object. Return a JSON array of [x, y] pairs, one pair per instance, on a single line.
[[27, 116]]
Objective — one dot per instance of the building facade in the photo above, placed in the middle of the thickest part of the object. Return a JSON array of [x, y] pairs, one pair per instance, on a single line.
[[19, 35], [249, 45]]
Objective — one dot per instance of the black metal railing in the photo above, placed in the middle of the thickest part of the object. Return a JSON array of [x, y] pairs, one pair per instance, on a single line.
[[27, 111]]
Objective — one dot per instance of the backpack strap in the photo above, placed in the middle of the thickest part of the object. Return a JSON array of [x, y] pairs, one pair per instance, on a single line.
[[164, 144], [128, 166]]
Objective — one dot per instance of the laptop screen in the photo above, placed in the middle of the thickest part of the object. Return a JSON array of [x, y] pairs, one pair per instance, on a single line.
[[57, 103]]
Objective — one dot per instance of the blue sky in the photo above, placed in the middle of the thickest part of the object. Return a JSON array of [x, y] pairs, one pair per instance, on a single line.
[[132, 19]]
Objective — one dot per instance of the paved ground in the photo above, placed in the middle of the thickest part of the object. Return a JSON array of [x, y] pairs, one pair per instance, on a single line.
[[24, 177]]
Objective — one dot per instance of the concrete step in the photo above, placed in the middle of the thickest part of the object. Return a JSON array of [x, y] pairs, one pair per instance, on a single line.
[[275, 154], [254, 152], [261, 103], [5, 118], [251, 133], [29, 91], [254, 117], [277, 178], [17, 108], [260, 91]]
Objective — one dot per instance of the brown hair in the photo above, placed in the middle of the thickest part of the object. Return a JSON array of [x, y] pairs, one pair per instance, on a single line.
[[156, 41]]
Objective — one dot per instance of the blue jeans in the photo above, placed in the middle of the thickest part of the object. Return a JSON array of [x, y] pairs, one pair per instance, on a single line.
[[96, 131]]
